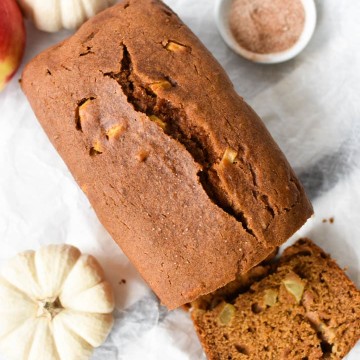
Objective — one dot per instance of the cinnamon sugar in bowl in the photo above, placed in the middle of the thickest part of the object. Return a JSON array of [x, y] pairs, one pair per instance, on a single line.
[[266, 31]]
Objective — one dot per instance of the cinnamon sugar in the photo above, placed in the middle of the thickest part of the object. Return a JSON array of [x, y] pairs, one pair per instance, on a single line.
[[267, 26]]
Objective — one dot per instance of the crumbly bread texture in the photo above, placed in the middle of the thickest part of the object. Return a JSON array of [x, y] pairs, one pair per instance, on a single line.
[[304, 308], [231, 290], [179, 169]]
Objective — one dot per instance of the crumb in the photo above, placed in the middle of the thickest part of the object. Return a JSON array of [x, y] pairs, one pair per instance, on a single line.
[[331, 220], [122, 281], [217, 319]]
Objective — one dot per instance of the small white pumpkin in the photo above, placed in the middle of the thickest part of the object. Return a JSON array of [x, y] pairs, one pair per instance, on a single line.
[[54, 15], [54, 305]]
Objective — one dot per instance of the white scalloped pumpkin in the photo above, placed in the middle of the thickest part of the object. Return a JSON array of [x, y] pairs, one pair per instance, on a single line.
[[54, 305], [54, 15]]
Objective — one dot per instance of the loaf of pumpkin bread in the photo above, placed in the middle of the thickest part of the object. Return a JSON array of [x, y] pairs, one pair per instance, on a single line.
[[179, 169], [301, 307]]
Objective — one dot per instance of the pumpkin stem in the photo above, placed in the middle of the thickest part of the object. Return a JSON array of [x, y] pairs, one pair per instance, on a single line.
[[50, 308]]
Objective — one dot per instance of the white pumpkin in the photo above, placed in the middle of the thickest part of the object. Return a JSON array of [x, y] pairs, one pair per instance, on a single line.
[[54, 305], [54, 15]]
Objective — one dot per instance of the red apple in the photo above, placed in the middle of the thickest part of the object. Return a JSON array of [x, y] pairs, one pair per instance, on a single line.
[[12, 40]]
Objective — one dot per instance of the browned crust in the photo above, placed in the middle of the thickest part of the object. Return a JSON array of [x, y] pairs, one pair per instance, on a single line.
[[187, 220]]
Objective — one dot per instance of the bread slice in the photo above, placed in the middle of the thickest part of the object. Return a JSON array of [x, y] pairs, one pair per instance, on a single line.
[[305, 308], [179, 169]]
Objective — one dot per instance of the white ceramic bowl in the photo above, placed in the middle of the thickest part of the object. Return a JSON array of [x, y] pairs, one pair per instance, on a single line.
[[222, 12]]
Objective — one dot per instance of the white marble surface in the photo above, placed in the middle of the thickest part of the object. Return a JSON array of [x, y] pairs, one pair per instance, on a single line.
[[311, 106]]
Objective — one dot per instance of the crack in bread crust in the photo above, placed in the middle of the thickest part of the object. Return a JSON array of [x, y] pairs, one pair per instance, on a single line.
[[175, 124]]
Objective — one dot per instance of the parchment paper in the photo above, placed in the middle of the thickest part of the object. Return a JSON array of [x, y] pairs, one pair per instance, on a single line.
[[311, 106]]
